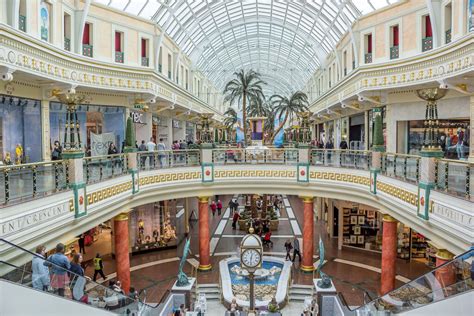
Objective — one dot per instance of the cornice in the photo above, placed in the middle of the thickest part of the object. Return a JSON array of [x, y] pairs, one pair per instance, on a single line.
[[19, 51], [444, 62]]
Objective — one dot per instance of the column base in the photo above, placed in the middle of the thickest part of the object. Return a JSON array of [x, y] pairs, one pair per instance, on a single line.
[[205, 267], [307, 269]]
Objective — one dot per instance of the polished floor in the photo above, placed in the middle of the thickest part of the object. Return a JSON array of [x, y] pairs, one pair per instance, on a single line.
[[353, 271]]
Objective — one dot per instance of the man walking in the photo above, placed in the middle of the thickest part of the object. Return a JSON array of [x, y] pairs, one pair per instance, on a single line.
[[98, 267], [151, 146], [296, 249]]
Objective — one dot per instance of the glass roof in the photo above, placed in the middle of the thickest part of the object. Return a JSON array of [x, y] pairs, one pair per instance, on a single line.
[[285, 41]]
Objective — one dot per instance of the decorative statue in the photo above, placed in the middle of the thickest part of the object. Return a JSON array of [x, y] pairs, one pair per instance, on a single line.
[[325, 281], [169, 232], [183, 279]]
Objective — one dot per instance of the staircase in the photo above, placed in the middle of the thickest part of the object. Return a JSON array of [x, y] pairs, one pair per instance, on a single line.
[[211, 290], [298, 292]]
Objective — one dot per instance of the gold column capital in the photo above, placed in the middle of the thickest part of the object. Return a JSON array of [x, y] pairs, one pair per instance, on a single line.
[[122, 216], [389, 219], [203, 199], [444, 254], [307, 199]]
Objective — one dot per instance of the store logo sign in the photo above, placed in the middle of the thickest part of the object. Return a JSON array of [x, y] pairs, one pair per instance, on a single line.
[[33, 219], [137, 117]]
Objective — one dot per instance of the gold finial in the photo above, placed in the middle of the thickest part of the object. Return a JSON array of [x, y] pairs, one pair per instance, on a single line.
[[251, 230]]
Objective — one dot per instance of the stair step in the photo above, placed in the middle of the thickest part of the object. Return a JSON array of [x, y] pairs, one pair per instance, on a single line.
[[301, 291], [209, 291], [213, 297], [207, 285], [301, 286]]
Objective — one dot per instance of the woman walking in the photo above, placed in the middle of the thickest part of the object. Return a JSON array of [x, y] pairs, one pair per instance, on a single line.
[[219, 207], [288, 248], [213, 208], [76, 269]]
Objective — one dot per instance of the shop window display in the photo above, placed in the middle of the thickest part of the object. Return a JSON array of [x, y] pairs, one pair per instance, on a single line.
[[371, 127], [154, 226], [97, 123], [20, 130], [453, 138], [361, 228]]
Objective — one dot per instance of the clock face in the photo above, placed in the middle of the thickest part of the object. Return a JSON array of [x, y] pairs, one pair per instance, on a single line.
[[251, 258]]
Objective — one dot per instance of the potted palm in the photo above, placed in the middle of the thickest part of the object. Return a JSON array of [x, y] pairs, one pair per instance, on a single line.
[[274, 221], [243, 220]]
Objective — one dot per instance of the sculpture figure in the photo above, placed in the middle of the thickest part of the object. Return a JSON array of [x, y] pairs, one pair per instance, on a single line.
[[325, 281], [183, 279]]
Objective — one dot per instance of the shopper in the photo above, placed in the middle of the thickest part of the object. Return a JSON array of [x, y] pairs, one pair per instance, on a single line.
[[59, 265], [133, 293], [82, 241], [142, 148], [235, 218], [296, 250], [213, 208], [219, 207], [57, 151], [161, 152], [40, 278], [76, 269], [288, 248], [98, 267], [112, 149], [151, 147]]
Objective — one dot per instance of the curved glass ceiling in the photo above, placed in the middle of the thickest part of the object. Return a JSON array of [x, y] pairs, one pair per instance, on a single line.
[[285, 41]]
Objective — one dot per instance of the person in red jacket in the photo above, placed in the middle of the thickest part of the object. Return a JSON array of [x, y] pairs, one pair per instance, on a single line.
[[235, 218], [213, 208], [219, 207]]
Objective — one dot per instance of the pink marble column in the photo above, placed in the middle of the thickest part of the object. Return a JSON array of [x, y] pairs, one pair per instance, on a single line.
[[445, 275], [122, 259], [204, 243], [389, 254], [308, 235]]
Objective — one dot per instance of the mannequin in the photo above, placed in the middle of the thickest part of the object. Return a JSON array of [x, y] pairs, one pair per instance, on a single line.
[[459, 144]]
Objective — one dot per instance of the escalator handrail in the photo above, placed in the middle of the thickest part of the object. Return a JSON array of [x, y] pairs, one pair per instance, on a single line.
[[67, 270], [461, 256]]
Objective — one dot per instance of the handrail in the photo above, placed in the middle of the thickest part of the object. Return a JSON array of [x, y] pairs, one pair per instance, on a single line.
[[62, 268], [31, 164], [105, 156]]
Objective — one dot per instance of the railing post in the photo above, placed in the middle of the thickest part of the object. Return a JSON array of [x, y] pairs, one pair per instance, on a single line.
[[6, 178], [303, 161], [378, 149], [74, 160], [35, 176], [207, 165]]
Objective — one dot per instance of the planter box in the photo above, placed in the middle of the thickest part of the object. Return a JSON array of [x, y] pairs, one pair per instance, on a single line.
[[274, 224], [243, 224]]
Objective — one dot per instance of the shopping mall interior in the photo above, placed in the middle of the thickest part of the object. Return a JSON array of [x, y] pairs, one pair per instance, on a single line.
[[260, 157]]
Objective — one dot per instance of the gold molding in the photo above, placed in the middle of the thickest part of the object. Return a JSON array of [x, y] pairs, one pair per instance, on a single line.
[[205, 267], [168, 177], [122, 216], [307, 199], [402, 194], [389, 219], [444, 254], [203, 199], [109, 192]]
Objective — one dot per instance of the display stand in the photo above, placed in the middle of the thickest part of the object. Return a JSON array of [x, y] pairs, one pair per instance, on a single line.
[[186, 290], [320, 292]]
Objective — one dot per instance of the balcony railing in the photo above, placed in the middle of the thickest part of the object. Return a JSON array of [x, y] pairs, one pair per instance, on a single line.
[[426, 44], [448, 36], [119, 57], [145, 62], [33, 180], [101, 168], [22, 23], [368, 58], [345, 71], [87, 50], [67, 44], [169, 74], [162, 159], [160, 67], [29, 181], [394, 52]]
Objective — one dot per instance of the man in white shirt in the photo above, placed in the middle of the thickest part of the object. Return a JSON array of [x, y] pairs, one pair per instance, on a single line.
[[151, 146], [161, 149]]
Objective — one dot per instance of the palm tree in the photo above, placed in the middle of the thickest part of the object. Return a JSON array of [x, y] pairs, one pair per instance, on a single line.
[[269, 124], [245, 87], [230, 119], [257, 106], [286, 107]]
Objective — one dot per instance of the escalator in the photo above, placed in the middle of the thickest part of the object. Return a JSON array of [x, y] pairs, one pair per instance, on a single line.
[[78, 291], [449, 286]]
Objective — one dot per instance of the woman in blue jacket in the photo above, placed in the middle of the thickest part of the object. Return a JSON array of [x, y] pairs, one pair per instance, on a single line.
[[40, 276], [59, 265]]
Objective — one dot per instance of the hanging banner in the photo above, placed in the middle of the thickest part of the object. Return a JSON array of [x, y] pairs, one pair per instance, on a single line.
[[100, 143]]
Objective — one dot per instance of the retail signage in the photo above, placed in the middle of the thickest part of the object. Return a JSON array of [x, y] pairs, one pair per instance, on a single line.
[[138, 117], [34, 219], [100, 143], [453, 215], [176, 124]]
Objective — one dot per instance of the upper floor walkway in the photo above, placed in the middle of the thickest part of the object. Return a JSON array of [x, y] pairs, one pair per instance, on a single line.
[[40, 205]]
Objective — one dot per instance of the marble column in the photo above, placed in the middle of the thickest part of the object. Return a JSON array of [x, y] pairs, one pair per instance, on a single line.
[[122, 259], [389, 254], [204, 244], [445, 275], [308, 235]]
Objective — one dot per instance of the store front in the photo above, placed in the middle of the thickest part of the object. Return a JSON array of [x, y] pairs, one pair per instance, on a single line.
[[362, 228], [190, 132], [20, 130], [453, 137], [99, 126], [161, 130], [371, 123], [357, 132]]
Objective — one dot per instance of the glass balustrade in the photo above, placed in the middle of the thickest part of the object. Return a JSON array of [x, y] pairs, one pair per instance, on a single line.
[[455, 177], [255, 156], [169, 159], [101, 168]]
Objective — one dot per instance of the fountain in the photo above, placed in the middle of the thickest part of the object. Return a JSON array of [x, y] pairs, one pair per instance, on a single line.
[[271, 280]]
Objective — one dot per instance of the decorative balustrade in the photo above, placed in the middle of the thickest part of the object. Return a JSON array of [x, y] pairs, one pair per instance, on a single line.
[[405, 167], [67, 44], [426, 44], [145, 62], [32, 180], [28, 181], [162, 159], [368, 58], [22, 23], [119, 57], [101, 168], [448, 36], [454, 177], [87, 50], [394, 52]]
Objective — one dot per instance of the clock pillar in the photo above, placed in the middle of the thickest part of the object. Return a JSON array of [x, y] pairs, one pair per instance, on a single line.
[[308, 235], [204, 244]]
